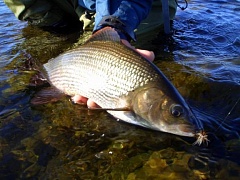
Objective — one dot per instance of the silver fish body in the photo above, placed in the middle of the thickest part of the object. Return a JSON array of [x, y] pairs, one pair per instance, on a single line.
[[115, 76]]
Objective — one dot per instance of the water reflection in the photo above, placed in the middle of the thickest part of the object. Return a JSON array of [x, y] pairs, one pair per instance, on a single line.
[[62, 140]]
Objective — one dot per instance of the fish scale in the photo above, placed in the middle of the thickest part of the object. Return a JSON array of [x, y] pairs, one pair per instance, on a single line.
[[96, 72]]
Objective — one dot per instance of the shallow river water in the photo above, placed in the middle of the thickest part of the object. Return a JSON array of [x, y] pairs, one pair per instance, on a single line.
[[62, 140]]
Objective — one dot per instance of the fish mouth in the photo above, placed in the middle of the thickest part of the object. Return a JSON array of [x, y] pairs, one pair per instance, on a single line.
[[182, 130], [186, 130]]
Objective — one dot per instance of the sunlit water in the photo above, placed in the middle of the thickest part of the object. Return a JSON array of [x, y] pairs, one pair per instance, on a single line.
[[62, 140]]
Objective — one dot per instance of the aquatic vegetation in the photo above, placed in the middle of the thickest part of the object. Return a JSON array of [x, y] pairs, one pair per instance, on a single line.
[[66, 141]]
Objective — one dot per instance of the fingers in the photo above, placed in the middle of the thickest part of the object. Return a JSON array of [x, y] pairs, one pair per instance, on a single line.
[[92, 104], [78, 99], [149, 55]]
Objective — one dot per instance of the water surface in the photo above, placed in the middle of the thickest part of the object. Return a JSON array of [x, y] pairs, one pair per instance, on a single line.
[[63, 141]]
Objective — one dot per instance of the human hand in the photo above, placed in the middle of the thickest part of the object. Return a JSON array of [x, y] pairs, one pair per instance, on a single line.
[[149, 55]]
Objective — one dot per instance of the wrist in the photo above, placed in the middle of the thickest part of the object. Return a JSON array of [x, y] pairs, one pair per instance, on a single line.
[[118, 25]]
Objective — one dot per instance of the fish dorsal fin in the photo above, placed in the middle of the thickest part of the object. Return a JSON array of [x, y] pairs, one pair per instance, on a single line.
[[105, 34]]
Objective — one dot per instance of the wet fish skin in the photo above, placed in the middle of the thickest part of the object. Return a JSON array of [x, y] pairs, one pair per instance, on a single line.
[[115, 76]]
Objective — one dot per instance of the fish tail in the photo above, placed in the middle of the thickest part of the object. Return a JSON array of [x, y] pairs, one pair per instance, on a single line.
[[47, 94], [32, 64]]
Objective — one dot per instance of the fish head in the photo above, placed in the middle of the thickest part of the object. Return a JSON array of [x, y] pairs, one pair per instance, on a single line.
[[163, 111]]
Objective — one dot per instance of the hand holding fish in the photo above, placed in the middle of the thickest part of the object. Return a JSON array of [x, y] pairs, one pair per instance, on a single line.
[[106, 72]]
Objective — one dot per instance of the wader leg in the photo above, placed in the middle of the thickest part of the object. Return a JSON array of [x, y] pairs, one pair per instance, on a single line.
[[166, 19]]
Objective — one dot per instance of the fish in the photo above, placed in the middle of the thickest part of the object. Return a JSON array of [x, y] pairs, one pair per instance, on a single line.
[[125, 84]]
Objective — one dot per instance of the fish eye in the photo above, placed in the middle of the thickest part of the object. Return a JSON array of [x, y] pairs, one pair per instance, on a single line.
[[176, 110]]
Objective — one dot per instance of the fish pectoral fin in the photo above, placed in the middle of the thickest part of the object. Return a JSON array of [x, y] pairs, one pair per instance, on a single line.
[[108, 109], [47, 95], [105, 34], [114, 109]]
